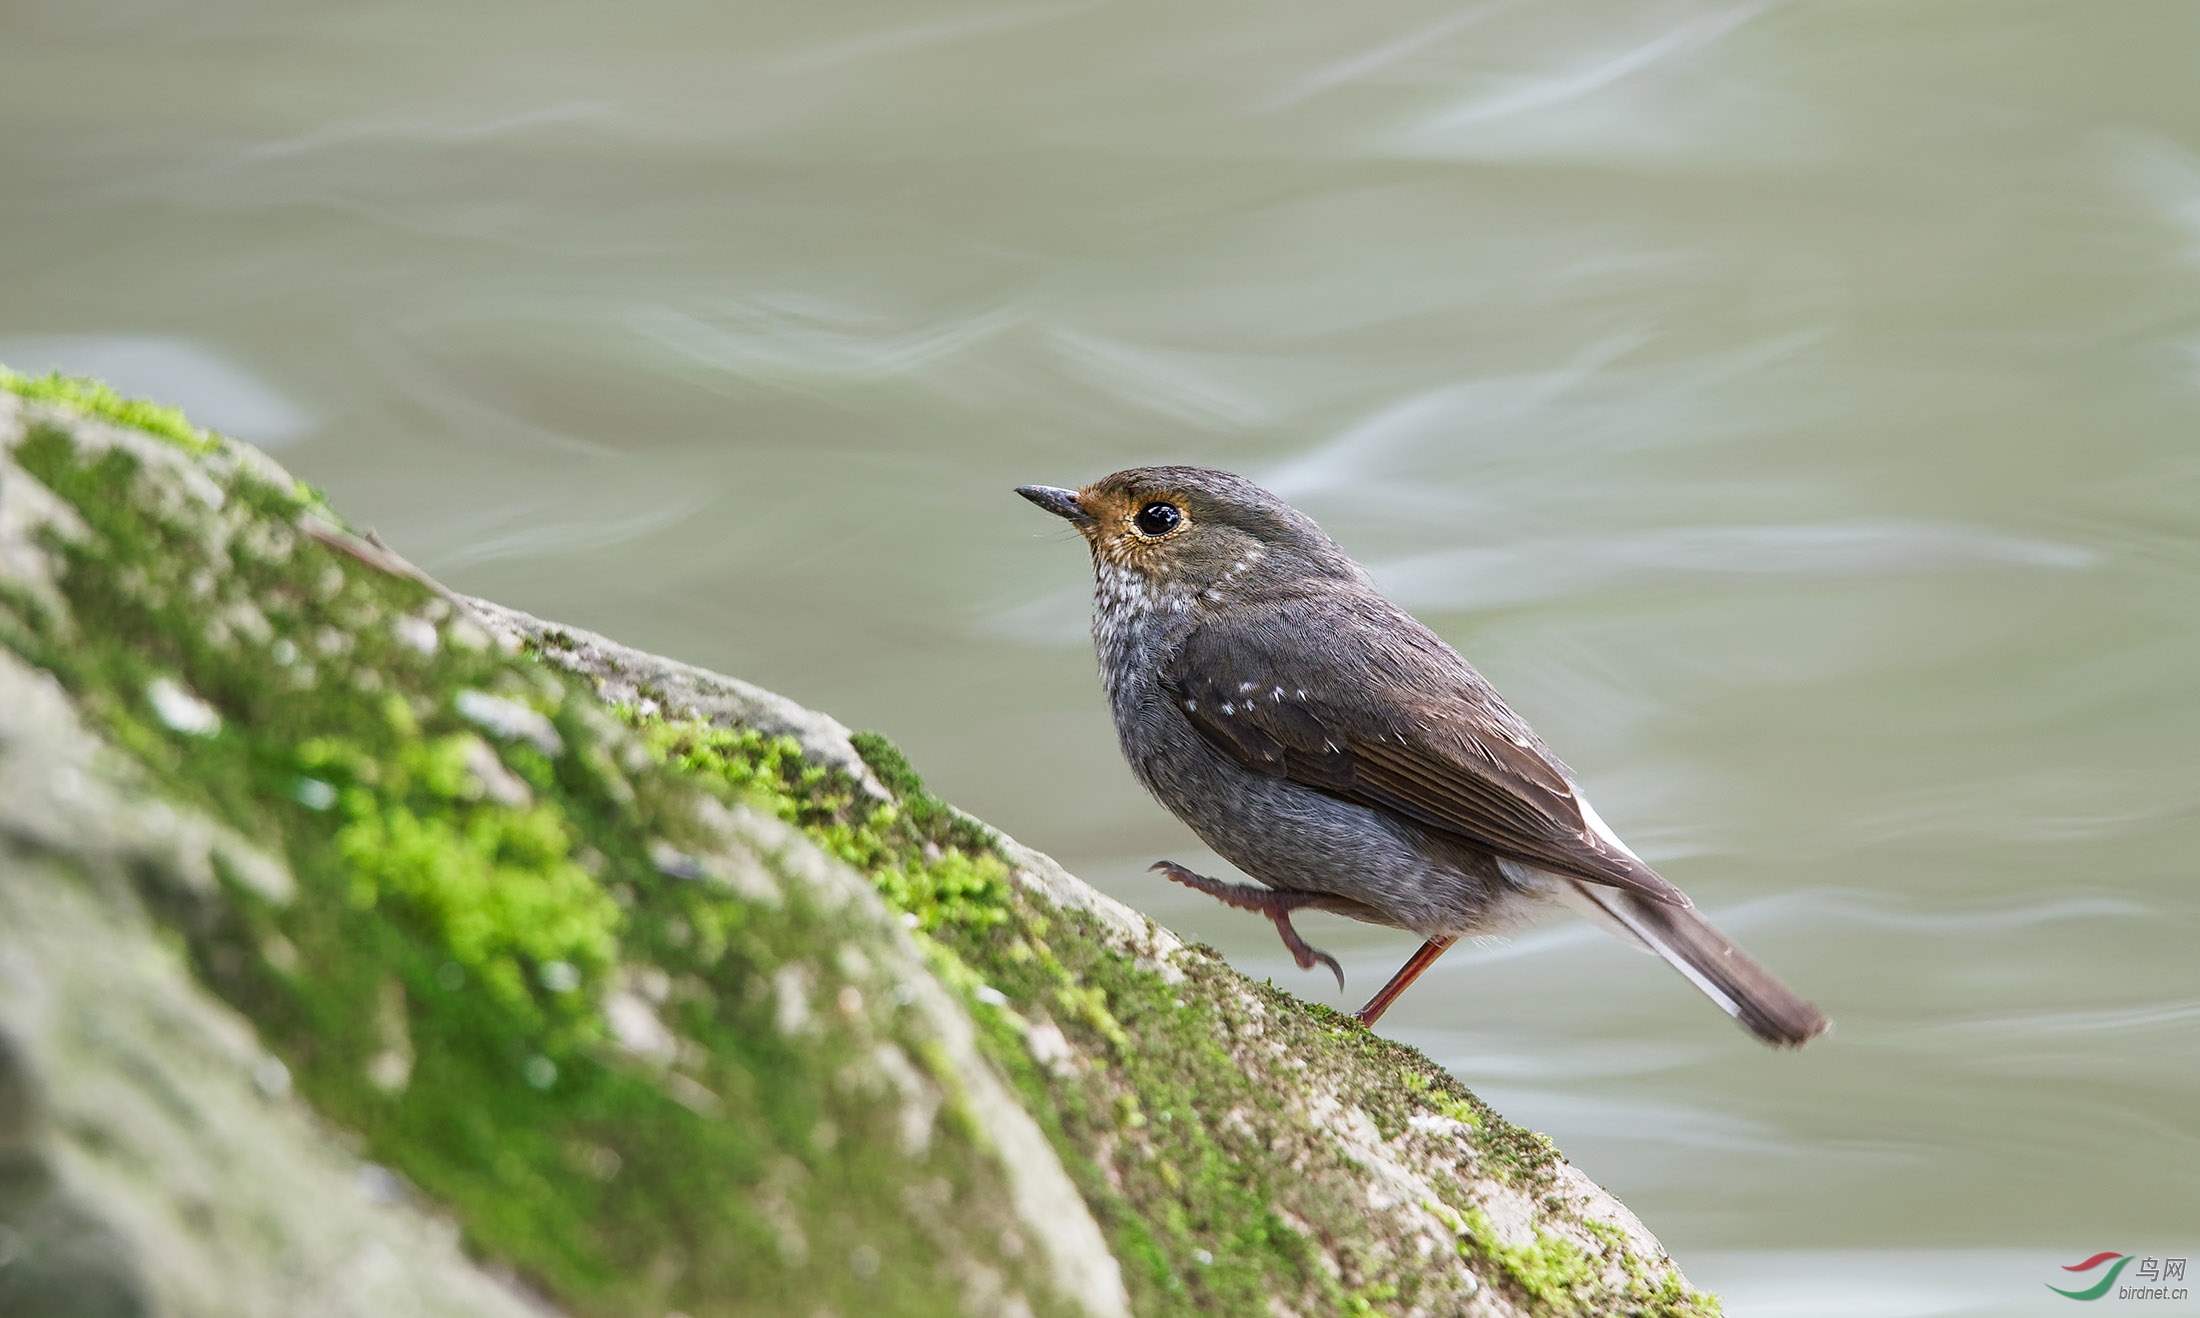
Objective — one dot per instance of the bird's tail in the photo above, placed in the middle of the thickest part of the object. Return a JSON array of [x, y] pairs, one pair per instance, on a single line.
[[1725, 973]]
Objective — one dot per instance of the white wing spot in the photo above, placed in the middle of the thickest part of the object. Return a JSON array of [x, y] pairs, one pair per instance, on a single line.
[[1191, 704], [1228, 708], [1244, 687]]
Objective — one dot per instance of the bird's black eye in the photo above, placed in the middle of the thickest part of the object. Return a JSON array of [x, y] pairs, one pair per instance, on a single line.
[[1158, 518]]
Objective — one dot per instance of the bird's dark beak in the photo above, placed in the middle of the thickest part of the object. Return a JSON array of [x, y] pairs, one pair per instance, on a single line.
[[1062, 503]]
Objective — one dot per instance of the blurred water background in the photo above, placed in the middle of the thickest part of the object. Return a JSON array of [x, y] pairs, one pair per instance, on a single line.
[[1793, 407]]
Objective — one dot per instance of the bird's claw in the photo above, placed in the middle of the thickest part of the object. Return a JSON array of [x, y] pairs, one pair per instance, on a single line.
[[1305, 954], [1274, 903]]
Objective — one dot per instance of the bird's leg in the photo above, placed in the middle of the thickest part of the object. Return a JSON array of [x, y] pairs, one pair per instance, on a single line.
[[1410, 971], [1276, 904]]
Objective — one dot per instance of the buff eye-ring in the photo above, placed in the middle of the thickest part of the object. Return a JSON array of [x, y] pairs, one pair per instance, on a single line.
[[1157, 518]]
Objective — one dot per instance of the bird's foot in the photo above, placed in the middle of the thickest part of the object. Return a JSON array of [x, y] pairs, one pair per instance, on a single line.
[[1276, 904]]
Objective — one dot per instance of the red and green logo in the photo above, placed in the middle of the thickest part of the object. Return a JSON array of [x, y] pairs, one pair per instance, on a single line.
[[2099, 1288], [2149, 1281]]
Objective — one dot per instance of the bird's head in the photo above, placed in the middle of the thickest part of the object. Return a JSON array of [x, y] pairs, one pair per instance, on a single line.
[[1209, 533]]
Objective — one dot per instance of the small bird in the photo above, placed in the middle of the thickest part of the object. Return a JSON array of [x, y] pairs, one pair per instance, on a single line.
[[1326, 743]]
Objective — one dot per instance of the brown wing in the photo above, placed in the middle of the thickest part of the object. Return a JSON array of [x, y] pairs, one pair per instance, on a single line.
[[1378, 711]]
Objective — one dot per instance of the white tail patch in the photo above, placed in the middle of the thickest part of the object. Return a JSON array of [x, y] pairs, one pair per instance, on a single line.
[[1600, 828]]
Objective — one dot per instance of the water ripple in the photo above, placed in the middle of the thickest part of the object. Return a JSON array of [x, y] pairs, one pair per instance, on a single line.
[[1397, 431], [1484, 577], [550, 539], [1175, 384], [1588, 406], [1531, 95], [2168, 176], [1817, 908], [1354, 67], [923, 36], [793, 339], [383, 129], [2141, 1018]]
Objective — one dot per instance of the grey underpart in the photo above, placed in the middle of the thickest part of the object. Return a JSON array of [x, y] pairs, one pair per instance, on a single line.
[[1287, 835]]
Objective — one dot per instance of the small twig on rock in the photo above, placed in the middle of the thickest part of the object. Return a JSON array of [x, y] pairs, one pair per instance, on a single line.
[[373, 551]]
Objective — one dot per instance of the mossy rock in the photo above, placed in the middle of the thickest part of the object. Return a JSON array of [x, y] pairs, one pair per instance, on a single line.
[[629, 987]]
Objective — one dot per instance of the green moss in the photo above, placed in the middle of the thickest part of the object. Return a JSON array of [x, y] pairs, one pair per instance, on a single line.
[[1553, 1272], [1660, 1293], [497, 886], [926, 859], [1671, 1297], [1453, 1106], [98, 399], [463, 906], [1364, 1303], [887, 761]]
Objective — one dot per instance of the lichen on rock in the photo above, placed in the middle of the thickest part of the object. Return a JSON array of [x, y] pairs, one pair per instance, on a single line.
[[666, 994]]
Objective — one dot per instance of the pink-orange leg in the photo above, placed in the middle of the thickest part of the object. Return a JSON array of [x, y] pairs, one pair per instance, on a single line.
[[1410, 971], [1276, 904]]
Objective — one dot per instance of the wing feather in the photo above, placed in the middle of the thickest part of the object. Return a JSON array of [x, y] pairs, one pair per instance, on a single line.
[[1403, 726]]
